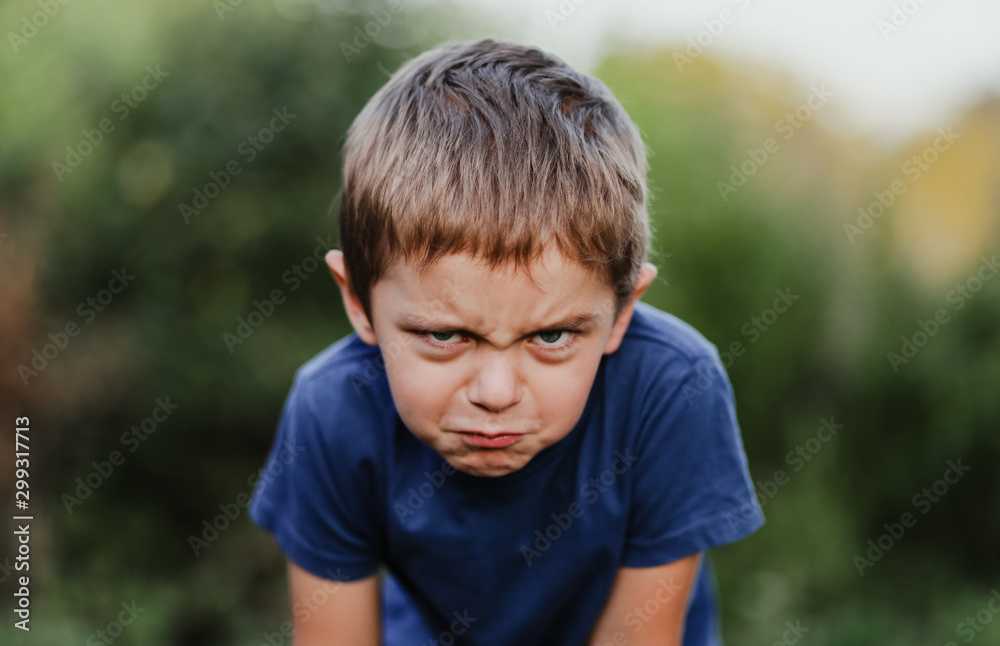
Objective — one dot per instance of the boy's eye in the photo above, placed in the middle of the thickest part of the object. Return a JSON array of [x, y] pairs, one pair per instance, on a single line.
[[442, 337], [548, 340], [550, 337]]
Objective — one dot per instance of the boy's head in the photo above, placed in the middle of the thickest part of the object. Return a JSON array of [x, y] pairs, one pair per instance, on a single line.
[[490, 193]]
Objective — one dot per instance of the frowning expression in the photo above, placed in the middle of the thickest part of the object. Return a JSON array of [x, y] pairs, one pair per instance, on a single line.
[[489, 367]]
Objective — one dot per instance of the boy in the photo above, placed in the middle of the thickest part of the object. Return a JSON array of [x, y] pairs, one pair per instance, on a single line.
[[510, 449]]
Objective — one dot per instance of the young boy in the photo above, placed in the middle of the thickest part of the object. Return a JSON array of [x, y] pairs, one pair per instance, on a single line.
[[510, 449]]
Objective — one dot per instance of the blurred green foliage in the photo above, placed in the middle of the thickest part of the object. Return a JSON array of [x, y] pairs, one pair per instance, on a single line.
[[720, 264]]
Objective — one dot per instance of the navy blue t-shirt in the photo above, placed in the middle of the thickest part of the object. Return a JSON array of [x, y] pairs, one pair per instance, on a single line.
[[653, 471]]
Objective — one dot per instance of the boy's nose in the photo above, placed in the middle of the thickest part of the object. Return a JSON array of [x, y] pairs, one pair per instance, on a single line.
[[495, 385]]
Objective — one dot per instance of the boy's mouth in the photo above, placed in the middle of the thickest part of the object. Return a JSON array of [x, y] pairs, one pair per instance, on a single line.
[[490, 441]]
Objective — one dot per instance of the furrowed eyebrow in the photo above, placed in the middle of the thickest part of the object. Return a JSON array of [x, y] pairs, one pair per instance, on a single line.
[[420, 322], [416, 321], [574, 320]]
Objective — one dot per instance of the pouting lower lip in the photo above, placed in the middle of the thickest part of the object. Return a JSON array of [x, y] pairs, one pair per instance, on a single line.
[[485, 434], [497, 441]]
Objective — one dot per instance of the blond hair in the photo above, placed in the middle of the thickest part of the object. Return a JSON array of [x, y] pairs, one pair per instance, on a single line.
[[493, 149]]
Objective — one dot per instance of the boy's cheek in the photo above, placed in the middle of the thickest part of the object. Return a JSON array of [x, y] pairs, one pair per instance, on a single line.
[[419, 385], [394, 345]]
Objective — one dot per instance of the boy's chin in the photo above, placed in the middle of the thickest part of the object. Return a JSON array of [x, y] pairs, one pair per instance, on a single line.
[[488, 463]]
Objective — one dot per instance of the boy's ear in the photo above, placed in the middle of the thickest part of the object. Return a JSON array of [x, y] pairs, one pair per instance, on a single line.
[[646, 276], [355, 312]]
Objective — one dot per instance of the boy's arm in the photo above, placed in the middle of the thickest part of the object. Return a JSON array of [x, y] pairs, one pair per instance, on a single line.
[[334, 613], [625, 622]]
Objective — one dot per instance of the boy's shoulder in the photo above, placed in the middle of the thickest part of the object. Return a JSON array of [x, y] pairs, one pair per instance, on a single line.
[[348, 368], [660, 337], [340, 403], [345, 355], [660, 358]]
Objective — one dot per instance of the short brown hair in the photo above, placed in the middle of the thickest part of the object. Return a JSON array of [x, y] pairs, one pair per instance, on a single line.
[[493, 149]]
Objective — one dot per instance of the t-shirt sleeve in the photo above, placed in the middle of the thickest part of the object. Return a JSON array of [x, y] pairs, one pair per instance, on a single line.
[[692, 488], [316, 492]]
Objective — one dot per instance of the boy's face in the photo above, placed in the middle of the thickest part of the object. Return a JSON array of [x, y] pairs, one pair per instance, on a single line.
[[484, 367]]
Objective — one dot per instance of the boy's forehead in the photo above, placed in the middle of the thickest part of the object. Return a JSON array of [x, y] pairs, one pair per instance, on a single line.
[[560, 290], [454, 275]]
